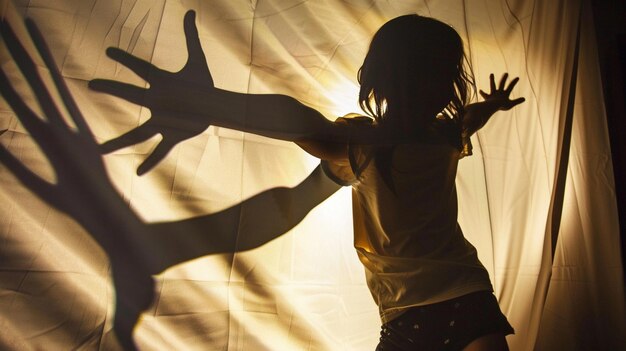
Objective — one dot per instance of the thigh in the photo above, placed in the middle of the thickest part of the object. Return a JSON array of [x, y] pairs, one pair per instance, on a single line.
[[492, 342], [449, 325]]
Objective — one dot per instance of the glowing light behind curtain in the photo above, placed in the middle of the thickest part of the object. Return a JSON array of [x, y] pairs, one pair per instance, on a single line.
[[305, 289]]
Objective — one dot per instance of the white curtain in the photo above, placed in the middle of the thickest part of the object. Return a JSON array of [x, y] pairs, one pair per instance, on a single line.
[[537, 197]]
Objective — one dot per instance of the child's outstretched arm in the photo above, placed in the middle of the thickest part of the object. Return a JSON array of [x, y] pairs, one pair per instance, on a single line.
[[183, 104], [478, 114]]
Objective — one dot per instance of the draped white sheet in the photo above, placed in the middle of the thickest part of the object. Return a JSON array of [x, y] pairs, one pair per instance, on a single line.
[[305, 290]]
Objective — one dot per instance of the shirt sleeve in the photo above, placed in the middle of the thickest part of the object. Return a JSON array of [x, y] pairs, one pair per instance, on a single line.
[[348, 172]]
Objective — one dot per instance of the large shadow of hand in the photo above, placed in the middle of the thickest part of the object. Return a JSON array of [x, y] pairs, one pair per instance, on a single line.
[[172, 125], [83, 190], [81, 178]]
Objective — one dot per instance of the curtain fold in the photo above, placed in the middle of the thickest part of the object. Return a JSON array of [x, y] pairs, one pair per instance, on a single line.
[[238, 242]]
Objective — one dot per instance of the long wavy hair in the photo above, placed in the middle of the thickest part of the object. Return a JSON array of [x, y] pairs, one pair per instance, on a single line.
[[415, 68]]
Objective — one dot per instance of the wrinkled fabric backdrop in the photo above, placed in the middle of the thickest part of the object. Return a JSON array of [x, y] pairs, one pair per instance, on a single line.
[[536, 198]]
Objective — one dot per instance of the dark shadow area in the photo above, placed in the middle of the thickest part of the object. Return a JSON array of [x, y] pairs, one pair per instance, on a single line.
[[609, 18], [136, 250]]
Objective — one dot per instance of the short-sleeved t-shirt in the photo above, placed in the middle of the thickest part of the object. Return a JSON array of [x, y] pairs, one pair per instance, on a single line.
[[405, 224]]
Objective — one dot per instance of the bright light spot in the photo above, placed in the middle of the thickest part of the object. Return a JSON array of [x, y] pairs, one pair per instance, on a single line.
[[344, 95]]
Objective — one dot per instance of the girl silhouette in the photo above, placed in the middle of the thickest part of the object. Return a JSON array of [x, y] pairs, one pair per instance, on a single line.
[[401, 160]]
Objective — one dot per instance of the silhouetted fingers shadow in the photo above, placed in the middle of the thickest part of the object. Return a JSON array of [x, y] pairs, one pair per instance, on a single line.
[[82, 188], [84, 192], [174, 126]]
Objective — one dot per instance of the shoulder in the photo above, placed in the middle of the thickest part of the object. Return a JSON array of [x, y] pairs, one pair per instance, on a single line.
[[356, 119], [347, 171]]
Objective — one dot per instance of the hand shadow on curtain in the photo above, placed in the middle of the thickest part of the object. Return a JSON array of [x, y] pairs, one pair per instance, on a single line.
[[136, 250]]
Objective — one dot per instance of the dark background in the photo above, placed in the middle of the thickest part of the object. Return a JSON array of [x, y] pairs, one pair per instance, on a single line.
[[610, 23]]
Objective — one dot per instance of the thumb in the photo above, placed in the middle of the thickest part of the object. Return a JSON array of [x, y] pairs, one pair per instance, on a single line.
[[517, 101]]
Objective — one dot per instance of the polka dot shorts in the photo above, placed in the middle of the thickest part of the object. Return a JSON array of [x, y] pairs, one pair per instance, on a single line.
[[448, 325]]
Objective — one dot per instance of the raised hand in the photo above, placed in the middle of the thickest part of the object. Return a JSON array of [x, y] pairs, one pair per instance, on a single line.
[[498, 99], [500, 96], [165, 98]]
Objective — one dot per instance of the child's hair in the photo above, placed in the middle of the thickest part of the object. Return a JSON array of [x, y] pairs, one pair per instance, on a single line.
[[416, 64]]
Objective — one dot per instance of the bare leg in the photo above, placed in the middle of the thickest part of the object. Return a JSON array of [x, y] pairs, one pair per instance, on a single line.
[[492, 342]]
